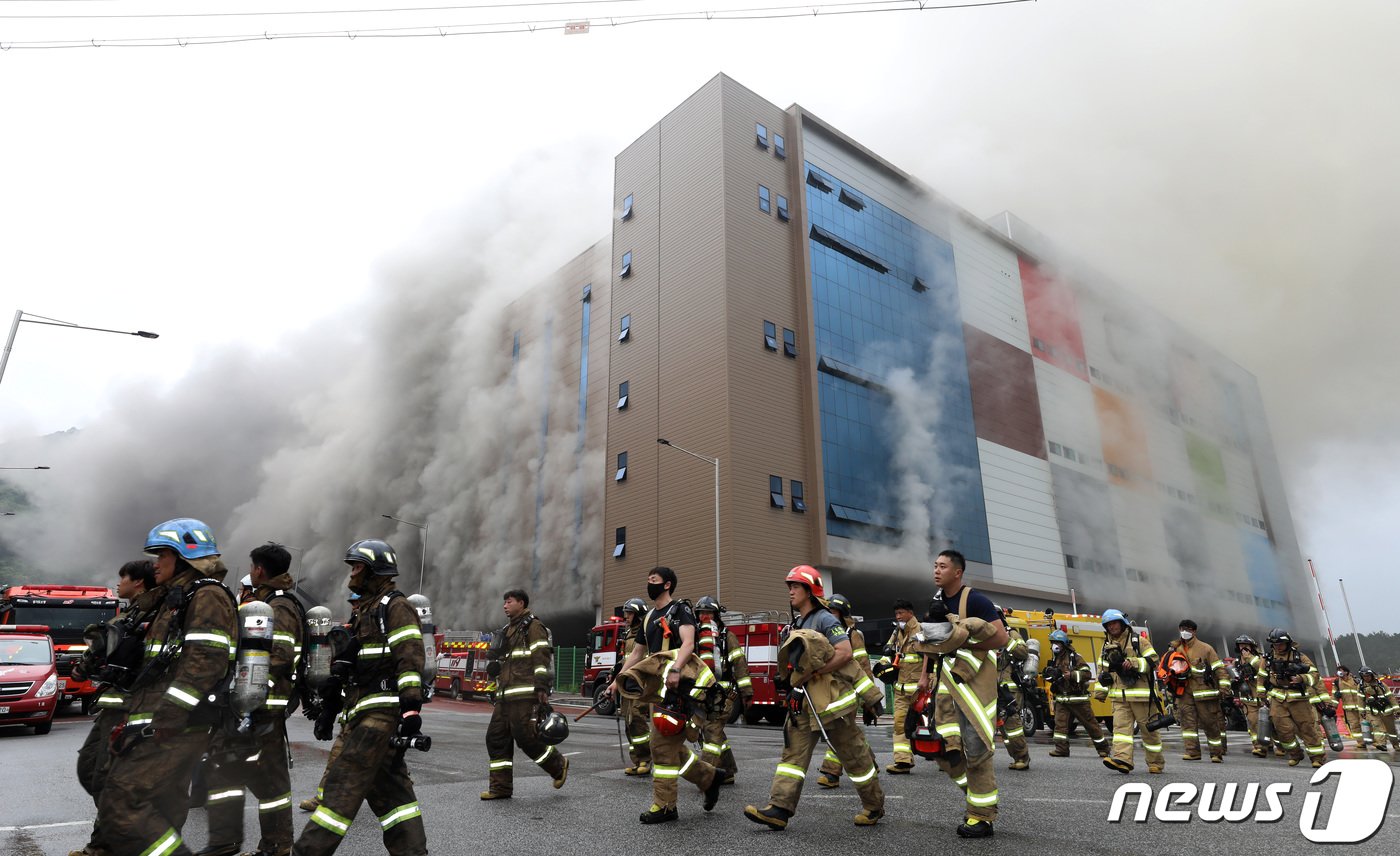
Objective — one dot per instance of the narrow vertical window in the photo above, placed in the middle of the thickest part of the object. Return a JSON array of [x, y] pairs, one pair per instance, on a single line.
[[625, 329], [799, 501], [761, 135], [764, 204], [626, 208], [775, 492], [622, 395], [789, 342], [621, 474], [621, 542], [783, 208], [779, 146], [770, 335], [626, 270]]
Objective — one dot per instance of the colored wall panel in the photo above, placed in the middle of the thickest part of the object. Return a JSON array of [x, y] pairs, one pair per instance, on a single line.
[[1124, 441], [1053, 320], [1005, 403]]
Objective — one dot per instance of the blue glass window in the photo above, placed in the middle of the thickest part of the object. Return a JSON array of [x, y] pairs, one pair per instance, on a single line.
[[779, 146], [626, 208], [783, 209], [761, 135], [775, 492], [625, 329], [789, 342], [763, 204], [620, 543], [626, 265], [799, 502], [622, 389], [621, 474], [770, 335]]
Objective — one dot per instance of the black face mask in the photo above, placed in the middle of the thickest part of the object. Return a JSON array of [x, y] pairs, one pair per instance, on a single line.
[[654, 590]]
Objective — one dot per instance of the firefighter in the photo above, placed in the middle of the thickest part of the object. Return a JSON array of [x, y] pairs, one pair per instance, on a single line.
[[1009, 660], [522, 685], [1198, 707], [245, 589], [1349, 697], [1249, 664], [635, 715], [1125, 673], [257, 761], [901, 666], [136, 584], [820, 704], [966, 721], [840, 606], [670, 626], [1289, 678], [719, 649], [1381, 710], [312, 711], [1069, 678], [189, 645], [381, 674]]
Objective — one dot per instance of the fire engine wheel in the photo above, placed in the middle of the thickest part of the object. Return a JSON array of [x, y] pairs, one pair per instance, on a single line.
[[753, 716], [1030, 721], [456, 691], [607, 706]]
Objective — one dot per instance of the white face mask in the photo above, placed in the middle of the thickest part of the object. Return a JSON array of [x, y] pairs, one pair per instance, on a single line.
[[1187, 635], [1056, 647]]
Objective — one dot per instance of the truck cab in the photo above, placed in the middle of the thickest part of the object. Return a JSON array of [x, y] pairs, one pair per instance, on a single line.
[[66, 611], [29, 683]]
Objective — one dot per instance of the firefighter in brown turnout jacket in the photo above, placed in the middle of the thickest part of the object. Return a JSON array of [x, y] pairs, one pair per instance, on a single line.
[[826, 690], [1198, 707], [636, 717], [1289, 677], [266, 774], [522, 658], [719, 649], [840, 606], [381, 674], [189, 645], [1069, 677], [901, 667]]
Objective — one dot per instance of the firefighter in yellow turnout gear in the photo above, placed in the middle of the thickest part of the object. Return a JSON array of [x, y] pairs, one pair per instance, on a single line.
[[719, 649], [901, 667], [522, 668], [1198, 708], [827, 689], [964, 684], [189, 647], [670, 629], [1069, 679], [1125, 673], [840, 606], [636, 716], [1249, 665], [1009, 659], [1381, 710], [1289, 678], [381, 674], [1349, 697]]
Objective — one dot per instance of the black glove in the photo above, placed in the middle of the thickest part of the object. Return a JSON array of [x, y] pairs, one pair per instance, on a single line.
[[410, 720], [493, 668], [325, 725], [871, 715]]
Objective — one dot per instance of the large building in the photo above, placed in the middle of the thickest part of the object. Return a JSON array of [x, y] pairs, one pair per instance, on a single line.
[[880, 375]]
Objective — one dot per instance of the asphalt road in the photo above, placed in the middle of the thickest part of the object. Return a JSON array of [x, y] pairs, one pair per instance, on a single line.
[[1060, 805]]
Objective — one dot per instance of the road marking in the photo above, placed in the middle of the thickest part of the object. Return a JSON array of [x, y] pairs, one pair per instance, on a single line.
[[845, 796], [45, 825], [1062, 800], [570, 754]]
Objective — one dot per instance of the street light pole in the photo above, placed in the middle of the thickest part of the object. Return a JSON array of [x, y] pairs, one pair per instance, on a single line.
[[714, 462], [1354, 636], [423, 541], [54, 322]]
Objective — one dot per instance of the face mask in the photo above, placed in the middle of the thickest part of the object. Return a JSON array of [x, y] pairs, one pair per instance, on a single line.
[[1056, 647], [654, 590], [1187, 635]]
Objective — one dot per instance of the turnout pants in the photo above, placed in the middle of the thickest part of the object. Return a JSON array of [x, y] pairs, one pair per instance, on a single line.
[[367, 769], [1015, 737], [671, 759], [902, 702], [1197, 715], [974, 774], [1251, 717], [1382, 729], [1295, 721], [715, 749], [94, 762], [1083, 713], [257, 763], [1353, 720], [1125, 715], [336, 749], [636, 717], [513, 724], [143, 805], [848, 744]]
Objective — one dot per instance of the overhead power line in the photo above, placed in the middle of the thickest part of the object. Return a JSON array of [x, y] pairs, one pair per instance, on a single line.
[[759, 13], [83, 16]]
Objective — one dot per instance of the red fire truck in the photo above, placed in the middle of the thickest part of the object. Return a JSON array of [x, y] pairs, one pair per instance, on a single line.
[[758, 632], [461, 664], [66, 610]]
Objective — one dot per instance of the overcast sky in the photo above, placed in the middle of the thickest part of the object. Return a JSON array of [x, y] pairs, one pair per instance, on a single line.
[[1233, 163]]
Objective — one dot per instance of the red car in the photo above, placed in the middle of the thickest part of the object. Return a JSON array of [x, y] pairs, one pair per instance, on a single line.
[[29, 686]]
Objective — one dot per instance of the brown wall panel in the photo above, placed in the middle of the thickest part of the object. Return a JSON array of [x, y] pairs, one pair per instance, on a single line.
[[1005, 403]]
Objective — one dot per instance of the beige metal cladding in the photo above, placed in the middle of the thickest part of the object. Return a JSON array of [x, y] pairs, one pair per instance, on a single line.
[[708, 268]]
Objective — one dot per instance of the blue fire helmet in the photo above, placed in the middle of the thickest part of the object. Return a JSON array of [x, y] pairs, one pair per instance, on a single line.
[[376, 554], [1113, 615], [1059, 636], [189, 538]]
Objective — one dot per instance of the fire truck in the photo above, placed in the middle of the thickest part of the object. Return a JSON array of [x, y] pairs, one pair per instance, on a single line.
[[66, 610], [461, 664], [757, 632], [1086, 633]]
